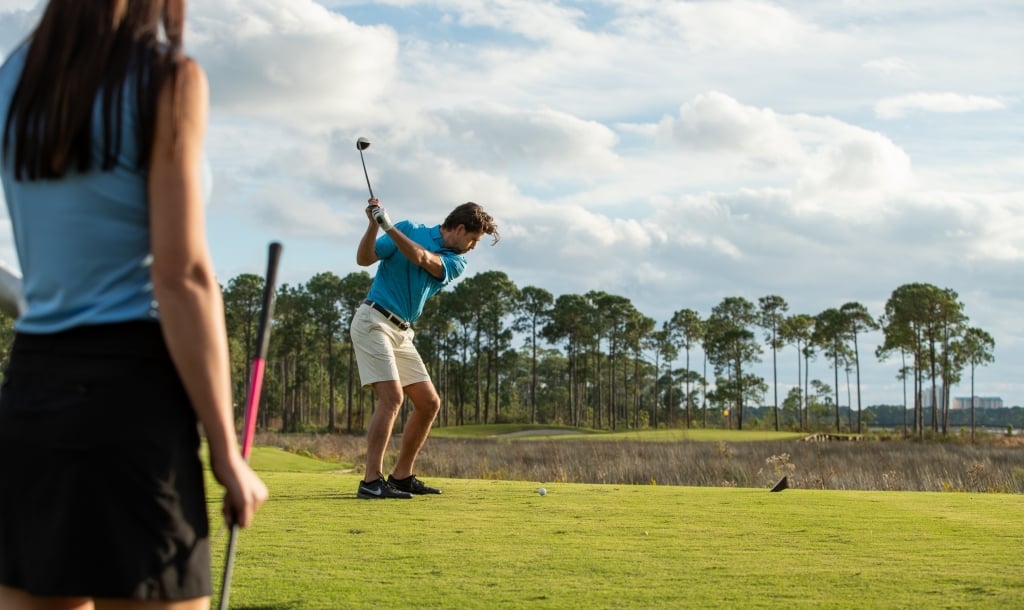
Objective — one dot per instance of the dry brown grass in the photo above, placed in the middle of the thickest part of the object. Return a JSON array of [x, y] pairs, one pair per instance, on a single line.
[[995, 465]]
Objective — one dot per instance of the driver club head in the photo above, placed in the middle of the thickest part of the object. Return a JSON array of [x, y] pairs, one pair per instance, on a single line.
[[361, 145]]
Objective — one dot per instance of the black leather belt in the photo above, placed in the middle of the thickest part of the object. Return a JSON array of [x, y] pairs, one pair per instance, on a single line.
[[399, 322]]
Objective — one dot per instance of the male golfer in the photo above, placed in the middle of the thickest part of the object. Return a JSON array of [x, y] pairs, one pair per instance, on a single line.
[[416, 261]]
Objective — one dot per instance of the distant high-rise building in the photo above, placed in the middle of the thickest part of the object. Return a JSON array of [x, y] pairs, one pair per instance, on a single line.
[[940, 395], [980, 402]]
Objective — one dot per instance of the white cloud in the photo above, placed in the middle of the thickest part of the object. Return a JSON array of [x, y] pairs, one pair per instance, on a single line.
[[295, 62], [896, 107], [830, 166], [533, 20], [734, 25], [716, 122], [549, 145], [21, 5], [853, 172], [17, 19], [892, 66], [990, 227]]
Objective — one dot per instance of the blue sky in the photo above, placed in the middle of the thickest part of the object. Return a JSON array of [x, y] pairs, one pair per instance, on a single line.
[[672, 152]]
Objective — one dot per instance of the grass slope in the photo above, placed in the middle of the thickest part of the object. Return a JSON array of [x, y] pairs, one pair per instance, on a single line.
[[498, 544]]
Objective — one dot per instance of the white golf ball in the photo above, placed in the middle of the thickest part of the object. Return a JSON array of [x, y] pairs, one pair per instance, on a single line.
[[542, 491]]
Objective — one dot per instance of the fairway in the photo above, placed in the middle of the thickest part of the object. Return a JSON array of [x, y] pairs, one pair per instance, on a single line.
[[499, 544], [538, 431]]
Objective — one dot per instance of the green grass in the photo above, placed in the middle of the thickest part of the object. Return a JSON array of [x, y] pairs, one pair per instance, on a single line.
[[498, 544], [495, 430], [530, 431], [274, 459], [701, 434]]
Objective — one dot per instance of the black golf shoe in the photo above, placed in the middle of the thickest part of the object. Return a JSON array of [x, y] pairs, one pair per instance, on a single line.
[[412, 485], [380, 489]]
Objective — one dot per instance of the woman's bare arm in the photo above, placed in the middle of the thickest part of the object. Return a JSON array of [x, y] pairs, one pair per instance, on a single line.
[[189, 297]]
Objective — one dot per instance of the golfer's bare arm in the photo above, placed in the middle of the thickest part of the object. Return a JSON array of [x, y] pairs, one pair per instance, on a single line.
[[184, 284], [366, 253], [417, 254]]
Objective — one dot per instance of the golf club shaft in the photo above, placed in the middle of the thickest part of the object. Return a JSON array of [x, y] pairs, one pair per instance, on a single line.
[[366, 174], [252, 400]]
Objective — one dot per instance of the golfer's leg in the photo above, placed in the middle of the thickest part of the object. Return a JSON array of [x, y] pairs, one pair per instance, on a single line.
[[426, 404], [16, 599], [389, 399]]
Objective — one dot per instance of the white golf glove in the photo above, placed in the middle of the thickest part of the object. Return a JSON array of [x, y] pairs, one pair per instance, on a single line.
[[382, 218]]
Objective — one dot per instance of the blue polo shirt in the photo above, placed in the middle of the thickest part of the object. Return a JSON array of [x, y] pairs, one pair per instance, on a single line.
[[402, 287]]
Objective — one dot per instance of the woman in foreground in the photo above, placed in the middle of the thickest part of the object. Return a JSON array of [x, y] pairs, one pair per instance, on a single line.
[[122, 345]]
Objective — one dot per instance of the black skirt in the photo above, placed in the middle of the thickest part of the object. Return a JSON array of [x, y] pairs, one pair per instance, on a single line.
[[101, 484]]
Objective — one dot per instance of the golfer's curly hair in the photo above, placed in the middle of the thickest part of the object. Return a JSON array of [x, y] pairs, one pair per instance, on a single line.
[[474, 218]]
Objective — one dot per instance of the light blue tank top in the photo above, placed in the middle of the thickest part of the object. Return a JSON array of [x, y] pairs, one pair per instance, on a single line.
[[83, 241]]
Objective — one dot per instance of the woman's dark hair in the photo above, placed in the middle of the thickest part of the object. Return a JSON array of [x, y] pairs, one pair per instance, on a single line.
[[474, 218], [80, 52]]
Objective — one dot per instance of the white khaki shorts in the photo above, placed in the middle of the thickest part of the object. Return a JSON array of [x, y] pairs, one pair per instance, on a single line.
[[383, 351]]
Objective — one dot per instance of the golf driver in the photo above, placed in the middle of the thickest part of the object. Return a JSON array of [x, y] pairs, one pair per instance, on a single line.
[[361, 145], [252, 398]]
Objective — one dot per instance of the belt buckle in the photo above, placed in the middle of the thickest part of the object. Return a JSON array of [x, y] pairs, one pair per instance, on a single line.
[[399, 322]]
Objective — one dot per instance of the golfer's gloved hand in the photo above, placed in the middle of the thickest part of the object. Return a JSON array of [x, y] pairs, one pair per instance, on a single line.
[[382, 218]]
